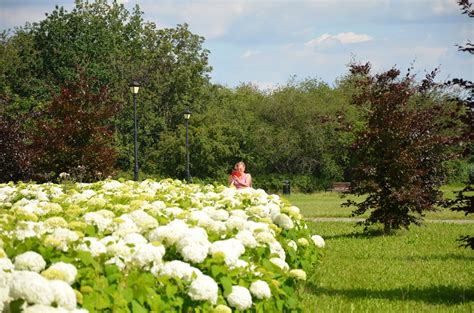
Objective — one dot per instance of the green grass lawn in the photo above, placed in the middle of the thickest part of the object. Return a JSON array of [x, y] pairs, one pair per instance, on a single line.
[[420, 270], [328, 204]]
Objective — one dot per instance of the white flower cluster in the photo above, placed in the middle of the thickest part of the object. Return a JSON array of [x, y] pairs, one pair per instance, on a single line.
[[48, 291], [135, 225]]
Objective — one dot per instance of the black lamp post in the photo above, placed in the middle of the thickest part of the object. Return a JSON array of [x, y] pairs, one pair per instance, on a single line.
[[187, 115], [134, 87]]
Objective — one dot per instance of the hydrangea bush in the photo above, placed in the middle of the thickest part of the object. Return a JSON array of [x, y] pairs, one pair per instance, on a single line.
[[124, 246]]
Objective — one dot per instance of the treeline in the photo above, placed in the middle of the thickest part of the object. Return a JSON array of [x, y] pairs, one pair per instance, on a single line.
[[66, 107]]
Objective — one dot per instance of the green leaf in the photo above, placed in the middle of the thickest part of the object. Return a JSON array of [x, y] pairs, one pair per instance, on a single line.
[[85, 257], [90, 231], [227, 284], [171, 290], [216, 270], [138, 308]]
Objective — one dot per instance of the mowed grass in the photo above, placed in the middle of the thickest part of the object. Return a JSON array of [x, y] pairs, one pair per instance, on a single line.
[[420, 270], [328, 204]]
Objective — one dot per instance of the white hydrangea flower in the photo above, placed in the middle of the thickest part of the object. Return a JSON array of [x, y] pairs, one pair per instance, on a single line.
[[125, 226], [283, 221], [144, 220], [298, 274], [108, 240], [83, 196], [56, 192], [112, 185], [30, 261], [6, 265], [27, 229], [144, 254], [259, 210], [170, 233], [217, 227], [4, 298], [318, 241], [158, 204], [280, 263], [240, 298], [173, 211], [61, 237], [204, 288], [30, 286], [117, 261], [197, 216], [303, 242], [220, 215], [97, 202], [92, 245], [97, 219], [179, 269], [63, 294], [62, 271], [195, 253], [235, 222], [55, 221], [25, 206], [293, 210], [260, 289], [239, 264], [293, 245], [256, 226], [134, 239], [247, 238], [120, 250], [239, 213], [6, 193], [276, 248], [265, 237], [193, 235], [231, 248]]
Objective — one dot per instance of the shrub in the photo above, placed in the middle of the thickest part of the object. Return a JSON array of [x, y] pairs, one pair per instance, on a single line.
[[411, 130]]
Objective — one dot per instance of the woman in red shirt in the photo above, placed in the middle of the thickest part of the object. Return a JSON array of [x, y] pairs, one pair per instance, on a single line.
[[238, 178]]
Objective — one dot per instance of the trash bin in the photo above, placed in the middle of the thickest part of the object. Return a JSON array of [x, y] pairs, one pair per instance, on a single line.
[[286, 187]]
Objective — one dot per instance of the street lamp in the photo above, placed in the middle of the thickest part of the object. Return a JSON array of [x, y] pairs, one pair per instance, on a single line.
[[134, 87], [187, 115]]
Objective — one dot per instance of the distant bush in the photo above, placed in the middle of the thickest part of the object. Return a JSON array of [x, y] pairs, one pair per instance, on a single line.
[[458, 171], [298, 183]]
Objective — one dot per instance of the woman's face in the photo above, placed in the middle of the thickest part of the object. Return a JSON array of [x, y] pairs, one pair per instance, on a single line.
[[241, 168]]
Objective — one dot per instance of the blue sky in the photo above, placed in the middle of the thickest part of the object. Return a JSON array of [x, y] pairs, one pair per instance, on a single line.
[[267, 42]]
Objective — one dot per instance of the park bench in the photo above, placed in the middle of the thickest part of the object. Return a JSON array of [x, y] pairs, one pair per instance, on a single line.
[[340, 187]]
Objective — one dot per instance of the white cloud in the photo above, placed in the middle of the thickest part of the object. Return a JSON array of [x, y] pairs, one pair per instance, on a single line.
[[441, 7], [250, 53], [211, 19], [343, 38]]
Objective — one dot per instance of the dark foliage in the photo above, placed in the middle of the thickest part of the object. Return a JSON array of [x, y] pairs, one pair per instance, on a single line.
[[465, 199], [411, 131], [73, 134], [14, 157]]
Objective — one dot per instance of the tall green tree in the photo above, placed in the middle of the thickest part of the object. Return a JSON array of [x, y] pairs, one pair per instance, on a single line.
[[107, 42]]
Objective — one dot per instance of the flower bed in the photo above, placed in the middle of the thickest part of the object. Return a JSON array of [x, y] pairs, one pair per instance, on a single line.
[[123, 246]]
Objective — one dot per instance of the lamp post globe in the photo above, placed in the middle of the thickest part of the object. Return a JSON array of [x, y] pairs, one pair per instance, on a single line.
[[134, 88], [187, 116]]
